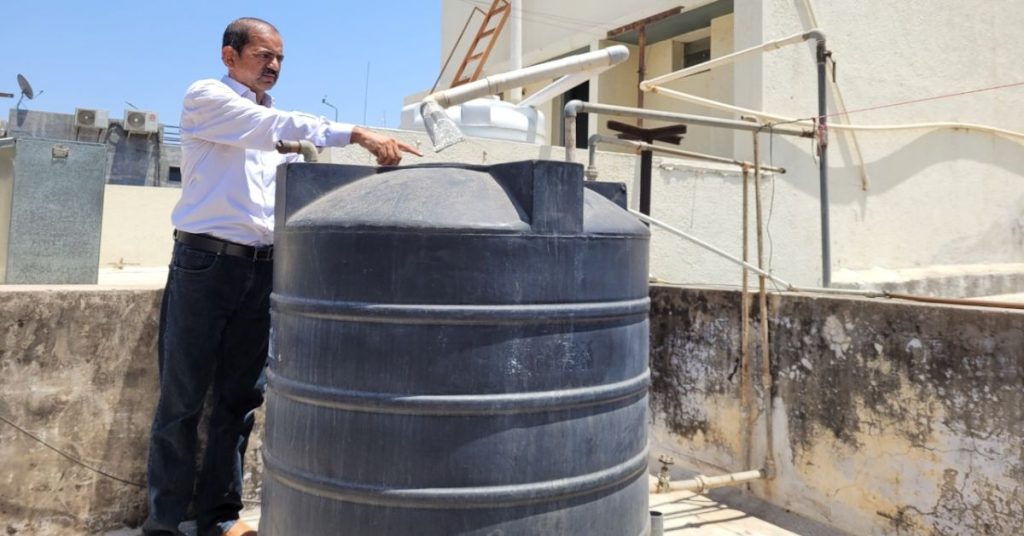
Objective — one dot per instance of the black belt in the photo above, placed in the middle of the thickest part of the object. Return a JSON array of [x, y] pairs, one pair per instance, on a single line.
[[213, 244]]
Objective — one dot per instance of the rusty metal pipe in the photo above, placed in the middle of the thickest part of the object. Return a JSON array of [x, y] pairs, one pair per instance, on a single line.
[[304, 147]]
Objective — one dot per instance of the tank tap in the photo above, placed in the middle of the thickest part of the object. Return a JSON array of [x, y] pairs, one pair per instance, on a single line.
[[664, 479]]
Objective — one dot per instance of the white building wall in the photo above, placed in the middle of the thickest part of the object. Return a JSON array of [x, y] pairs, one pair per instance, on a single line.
[[550, 29], [932, 198]]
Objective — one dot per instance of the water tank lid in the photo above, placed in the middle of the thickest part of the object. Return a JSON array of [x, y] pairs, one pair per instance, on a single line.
[[429, 196]]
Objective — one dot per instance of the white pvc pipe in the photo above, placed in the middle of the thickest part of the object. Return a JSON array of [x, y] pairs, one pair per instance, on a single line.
[[646, 85], [555, 89], [516, 46], [444, 132], [639, 146], [591, 62], [718, 105], [575, 107], [702, 483]]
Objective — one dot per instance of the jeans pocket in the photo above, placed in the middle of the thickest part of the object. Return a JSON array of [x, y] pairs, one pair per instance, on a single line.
[[193, 261]]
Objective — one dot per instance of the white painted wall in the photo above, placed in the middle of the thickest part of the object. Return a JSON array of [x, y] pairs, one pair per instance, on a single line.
[[137, 229], [934, 198], [550, 29]]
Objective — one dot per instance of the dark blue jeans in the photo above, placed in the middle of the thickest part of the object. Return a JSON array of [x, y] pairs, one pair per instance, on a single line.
[[214, 330]]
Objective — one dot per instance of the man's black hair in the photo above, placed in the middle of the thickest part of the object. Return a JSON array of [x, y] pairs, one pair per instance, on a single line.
[[237, 33]]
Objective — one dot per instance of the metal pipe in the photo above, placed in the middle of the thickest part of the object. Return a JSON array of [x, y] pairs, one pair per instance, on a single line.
[[745, 386], [821, 120], [303, 147], [955, 301], [575, 107], [821, 127], [762, 295], [641, 68], [601, 138], [647, 219], [826, 248], [646, 165], [442, 130], [792, 288], [657, 523], [841, 107]]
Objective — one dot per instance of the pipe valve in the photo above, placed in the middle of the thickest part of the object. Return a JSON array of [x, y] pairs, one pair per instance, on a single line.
[[664, 478]]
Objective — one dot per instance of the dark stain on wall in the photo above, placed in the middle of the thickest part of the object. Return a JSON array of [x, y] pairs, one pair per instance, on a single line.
[[853, 368]]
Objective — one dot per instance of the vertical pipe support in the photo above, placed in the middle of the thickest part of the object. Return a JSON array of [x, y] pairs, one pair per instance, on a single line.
[[746, 410], [641, 69], [569, 116], [822, 137], [657, 523], [646, 170]]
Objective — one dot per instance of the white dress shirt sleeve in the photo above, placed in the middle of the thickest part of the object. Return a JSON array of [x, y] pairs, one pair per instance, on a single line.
[[214, 112]]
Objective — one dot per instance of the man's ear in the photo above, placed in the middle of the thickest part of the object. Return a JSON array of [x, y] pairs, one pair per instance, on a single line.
[[228, 55]]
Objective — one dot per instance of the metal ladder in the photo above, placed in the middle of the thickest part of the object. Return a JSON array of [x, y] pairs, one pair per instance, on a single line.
[[485, 39]]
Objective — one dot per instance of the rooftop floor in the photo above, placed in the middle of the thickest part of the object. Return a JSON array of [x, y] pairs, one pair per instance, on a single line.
[[685, 513]]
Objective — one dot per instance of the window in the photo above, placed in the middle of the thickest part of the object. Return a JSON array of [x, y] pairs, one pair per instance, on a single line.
[[690, 53]]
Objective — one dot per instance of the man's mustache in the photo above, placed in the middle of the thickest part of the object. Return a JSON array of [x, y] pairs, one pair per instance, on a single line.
[[269, 72]]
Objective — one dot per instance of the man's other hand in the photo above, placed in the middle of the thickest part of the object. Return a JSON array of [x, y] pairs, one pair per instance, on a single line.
[[387, 149]]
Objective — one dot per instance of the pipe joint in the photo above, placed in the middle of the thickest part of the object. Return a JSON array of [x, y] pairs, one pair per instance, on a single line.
[[572, 108], [816, 35], [304, 147]]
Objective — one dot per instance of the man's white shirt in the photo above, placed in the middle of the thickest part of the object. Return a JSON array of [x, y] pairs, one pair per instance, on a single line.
[[228, 160]]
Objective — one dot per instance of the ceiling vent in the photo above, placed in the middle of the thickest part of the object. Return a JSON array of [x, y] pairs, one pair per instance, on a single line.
[[140, 122], [89, 118]]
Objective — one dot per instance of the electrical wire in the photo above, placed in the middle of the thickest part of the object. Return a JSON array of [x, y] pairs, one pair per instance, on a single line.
[[78, 461], [73, 458], [718, 105], [546, 16], [551, 19], [924, 99]]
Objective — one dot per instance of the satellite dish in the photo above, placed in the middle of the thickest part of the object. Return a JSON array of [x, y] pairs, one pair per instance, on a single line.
[[26, 88]]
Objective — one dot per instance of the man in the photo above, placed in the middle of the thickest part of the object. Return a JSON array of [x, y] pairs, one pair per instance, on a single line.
[[215, 318]]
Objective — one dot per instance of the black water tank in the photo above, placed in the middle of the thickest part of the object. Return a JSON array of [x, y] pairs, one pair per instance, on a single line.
[[458, 350]]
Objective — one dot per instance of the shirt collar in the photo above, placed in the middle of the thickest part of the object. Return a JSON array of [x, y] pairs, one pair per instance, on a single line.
[[240, 88]]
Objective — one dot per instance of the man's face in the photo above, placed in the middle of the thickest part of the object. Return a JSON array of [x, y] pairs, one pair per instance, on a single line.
[[259, 63]]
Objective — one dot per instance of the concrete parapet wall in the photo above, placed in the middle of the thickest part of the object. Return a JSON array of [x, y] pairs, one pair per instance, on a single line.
[[78, 370], [887, 417]]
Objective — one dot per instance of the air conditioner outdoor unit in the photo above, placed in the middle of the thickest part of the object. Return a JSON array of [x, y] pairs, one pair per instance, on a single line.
[[89, 118], [140, 122]]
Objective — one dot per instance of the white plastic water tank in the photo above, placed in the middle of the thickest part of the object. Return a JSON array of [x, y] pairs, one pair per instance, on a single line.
[[488, 117]]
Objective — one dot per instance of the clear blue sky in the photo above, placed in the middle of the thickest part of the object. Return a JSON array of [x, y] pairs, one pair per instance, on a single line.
[[99, 54]]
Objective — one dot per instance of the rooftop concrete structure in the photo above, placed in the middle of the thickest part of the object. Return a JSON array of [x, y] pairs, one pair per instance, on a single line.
[[889, 417]]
